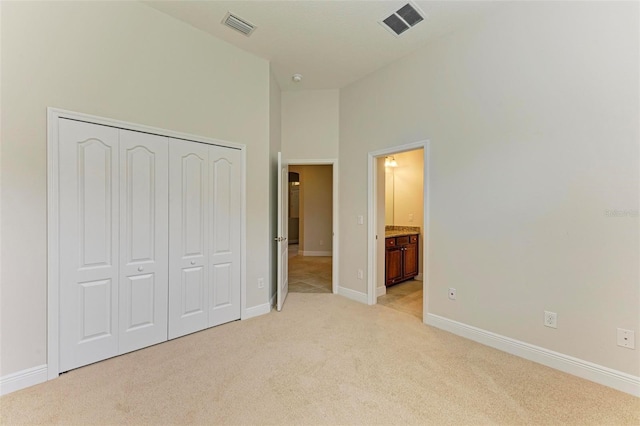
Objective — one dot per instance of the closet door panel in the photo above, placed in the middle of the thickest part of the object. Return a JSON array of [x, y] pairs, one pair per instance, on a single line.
[[144, 240], [188, 229], [225, 166], [88, 243]]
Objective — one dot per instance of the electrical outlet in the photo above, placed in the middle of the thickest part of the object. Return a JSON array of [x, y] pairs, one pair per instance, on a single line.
[[360, 219], [626, 338], [452, 293], [410, 217], [360, 274], [260, 282], [550, 319], [321, 242]]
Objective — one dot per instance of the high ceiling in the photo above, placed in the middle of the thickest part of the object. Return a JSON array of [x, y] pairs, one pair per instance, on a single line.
[[331, 43]]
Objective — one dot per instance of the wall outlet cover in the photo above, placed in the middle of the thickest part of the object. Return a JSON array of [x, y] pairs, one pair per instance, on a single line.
[[626, 338], [550, 319], [452, 293]]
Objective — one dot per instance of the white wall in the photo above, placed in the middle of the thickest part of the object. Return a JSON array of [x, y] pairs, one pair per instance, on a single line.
[[310, 124], [532, 114], [126, 61]]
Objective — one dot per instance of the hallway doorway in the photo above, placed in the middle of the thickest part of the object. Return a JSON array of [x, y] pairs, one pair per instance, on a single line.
[[311, 228]]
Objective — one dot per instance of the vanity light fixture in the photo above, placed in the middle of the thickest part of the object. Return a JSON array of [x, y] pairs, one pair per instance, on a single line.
[[390, 162]]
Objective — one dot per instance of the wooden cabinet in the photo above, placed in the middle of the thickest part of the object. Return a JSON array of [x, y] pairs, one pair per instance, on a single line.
[[401, 256]]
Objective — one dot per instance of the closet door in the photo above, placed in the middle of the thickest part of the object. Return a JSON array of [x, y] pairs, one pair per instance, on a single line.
[[225, 170], [188, 235], [144, 240], [88, 155]]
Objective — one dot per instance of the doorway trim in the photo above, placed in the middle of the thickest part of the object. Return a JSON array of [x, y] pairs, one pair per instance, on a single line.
[[53, 216], [372, 199], [335, 242]]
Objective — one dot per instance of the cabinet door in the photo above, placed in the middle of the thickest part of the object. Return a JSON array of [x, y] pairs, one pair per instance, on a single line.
[[225, 179], [188, 235], [410, 261], [393, 265], [144, 240], [88, 243]]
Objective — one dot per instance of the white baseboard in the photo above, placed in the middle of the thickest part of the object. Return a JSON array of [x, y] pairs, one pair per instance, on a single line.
[[381, 291], [315, 253], [256, 311], [353, 295], [418, 277], [587, 370], [23, 379]]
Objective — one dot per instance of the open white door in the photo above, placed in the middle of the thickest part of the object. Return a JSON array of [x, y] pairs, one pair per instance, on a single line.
[[283, 232]]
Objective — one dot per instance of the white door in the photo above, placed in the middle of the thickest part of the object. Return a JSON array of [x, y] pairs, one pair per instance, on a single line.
[[89, 216], [283, 232], [188, 231], [144, 240], [225, 178]]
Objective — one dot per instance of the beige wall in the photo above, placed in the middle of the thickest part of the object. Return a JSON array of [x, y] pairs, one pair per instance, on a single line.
[[316, 208], [310, 124], [533, 121], [126, 61]]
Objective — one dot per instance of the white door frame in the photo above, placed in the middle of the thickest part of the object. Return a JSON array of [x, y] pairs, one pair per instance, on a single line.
[[335, 243], [53, 216], [373, 219]]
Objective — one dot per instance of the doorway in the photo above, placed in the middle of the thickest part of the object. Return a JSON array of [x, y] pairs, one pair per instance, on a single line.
[[398, 225], [311, 220]]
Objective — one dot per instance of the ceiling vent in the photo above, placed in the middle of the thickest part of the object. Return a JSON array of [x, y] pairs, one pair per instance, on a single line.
[[403, 19], [238, 24]]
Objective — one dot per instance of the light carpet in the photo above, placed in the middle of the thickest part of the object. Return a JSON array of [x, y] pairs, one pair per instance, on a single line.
[[323, 360]]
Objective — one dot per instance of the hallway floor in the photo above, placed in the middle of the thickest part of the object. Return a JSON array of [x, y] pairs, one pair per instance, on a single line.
[[404, 297], [309, 274]]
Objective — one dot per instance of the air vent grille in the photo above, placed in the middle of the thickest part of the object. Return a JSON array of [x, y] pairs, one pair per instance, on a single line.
[[403, 19], [238, 24]]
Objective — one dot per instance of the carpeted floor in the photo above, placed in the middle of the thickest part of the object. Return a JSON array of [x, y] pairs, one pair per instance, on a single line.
[[323, 360]]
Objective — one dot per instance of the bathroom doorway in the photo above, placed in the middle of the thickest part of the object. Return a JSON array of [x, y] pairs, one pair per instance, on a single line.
[[398, 228], [311, 228], [403, 213]]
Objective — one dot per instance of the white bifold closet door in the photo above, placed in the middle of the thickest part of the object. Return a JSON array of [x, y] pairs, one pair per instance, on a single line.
[[144, 240], [113, 241], [149, 239], [204, 253]]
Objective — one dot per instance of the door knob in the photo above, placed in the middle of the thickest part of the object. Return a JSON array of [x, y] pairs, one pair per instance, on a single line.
[[193, 262], [140, 269]]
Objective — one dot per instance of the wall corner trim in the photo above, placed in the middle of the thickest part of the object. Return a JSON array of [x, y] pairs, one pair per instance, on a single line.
[[23, 379], [256, 311], [353, 295], [584, 369]]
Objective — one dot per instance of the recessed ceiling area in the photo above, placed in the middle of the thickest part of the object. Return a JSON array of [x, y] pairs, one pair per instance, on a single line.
[[331, 43]]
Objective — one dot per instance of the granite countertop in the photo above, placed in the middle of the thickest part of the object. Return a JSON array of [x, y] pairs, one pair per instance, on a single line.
[[400, 231]]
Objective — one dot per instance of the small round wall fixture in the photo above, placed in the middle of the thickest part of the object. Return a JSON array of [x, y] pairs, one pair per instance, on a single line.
[[297, 78]]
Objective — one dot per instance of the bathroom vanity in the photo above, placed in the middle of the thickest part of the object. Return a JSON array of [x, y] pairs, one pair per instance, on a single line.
[[401, 254]]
